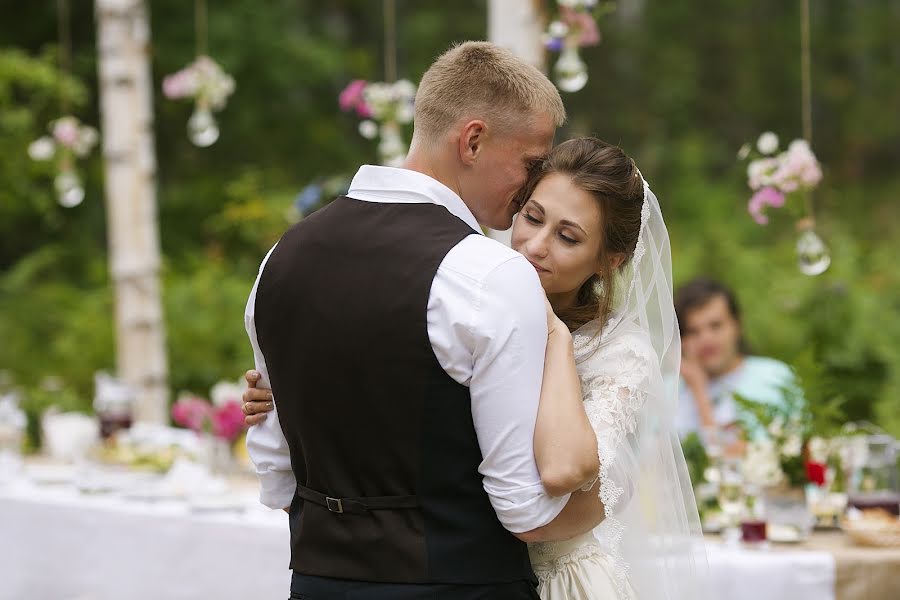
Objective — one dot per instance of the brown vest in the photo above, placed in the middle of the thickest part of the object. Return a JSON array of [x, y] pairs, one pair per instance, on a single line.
[[381, 438]]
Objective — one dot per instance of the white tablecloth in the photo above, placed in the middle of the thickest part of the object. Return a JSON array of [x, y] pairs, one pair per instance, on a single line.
[[56, 544], [774, 574]]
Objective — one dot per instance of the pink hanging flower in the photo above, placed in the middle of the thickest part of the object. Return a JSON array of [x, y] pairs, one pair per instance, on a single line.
[[351, 98], [65, 130], [767, 196], [582, 22]]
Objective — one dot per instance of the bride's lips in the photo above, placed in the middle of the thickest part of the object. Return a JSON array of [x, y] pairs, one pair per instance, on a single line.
[[537, 267]]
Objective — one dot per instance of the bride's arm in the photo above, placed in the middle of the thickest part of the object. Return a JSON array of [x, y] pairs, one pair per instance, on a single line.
[[566, 467]]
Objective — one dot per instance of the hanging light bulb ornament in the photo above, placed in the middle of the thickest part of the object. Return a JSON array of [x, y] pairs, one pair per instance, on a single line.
[[576, 28], [69, 140], [209, 86], [203, 130], [812, 253]]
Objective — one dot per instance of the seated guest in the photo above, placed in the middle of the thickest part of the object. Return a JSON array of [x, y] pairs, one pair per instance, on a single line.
[[716, 365]]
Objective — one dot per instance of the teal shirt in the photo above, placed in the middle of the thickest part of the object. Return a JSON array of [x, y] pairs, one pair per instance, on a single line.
[[759, 379]]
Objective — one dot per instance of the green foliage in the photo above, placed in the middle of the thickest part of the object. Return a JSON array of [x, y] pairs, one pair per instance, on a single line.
[[695, 456]]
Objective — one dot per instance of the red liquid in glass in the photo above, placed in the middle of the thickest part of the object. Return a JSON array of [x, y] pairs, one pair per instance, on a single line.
[[111, 423], [753, 531]]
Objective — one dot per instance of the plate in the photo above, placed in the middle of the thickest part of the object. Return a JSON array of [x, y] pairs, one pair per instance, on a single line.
[[784, 534]]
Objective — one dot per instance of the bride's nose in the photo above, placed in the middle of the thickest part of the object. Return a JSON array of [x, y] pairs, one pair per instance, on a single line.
[[539, 245]]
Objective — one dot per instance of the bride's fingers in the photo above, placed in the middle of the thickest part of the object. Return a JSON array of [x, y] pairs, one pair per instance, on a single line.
[[252, 377], [257, 395], [254, 408], [252, 420]]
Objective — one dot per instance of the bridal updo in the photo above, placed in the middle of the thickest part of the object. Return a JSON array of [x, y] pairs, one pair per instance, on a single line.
[[611, 177]]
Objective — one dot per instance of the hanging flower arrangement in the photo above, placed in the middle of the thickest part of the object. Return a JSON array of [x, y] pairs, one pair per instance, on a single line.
[[776, 176], [384, 108], [780, 179], [68, 141], [575, 28], [209, 86]]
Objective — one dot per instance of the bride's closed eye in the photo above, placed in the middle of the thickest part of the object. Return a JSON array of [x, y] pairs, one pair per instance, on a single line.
[[535, 221]]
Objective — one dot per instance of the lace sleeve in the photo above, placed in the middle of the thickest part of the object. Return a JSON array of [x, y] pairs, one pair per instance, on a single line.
[[615, 390]]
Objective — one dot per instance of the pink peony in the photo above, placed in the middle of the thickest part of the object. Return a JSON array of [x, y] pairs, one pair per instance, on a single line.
[[352, 98], [228, 420], [767, 196]]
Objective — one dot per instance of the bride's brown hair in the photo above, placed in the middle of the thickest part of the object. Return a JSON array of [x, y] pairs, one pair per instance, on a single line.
[[611, 177]]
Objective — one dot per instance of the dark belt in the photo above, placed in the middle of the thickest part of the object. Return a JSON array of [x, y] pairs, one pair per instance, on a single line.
[[356, 505]]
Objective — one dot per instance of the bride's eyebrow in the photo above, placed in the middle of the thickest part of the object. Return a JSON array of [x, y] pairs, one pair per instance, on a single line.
[[536, 204], [573, 224]]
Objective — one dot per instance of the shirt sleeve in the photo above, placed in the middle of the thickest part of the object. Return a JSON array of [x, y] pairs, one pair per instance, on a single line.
[[508, 338], [266, 445]]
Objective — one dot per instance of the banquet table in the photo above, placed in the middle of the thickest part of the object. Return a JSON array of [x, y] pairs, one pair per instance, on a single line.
[[57, 543]]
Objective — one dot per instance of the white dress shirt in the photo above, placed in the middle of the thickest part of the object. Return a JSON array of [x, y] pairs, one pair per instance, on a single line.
[[487, 325]]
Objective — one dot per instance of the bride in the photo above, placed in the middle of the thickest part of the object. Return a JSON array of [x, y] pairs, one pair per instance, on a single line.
[[594, 232]]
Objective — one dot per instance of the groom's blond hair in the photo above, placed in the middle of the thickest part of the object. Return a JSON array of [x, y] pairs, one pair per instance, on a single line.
[[480, 80]]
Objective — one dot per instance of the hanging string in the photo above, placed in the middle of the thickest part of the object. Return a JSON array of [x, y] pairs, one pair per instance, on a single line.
[[65, 52], [806, 89], [390, 40], [200, 27]]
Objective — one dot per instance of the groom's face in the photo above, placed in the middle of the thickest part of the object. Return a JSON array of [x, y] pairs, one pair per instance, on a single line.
[[503, 169]]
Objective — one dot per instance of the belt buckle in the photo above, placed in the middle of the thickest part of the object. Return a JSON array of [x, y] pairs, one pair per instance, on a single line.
[[334, 504]]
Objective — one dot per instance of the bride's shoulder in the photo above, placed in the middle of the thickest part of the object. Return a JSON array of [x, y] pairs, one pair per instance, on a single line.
[[623, 340]]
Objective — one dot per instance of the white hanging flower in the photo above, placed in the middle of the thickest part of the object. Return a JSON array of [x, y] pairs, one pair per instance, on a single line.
[[744, 152], [42, 148], [405, 89], [767, 143], [558, 29], [368, 129]]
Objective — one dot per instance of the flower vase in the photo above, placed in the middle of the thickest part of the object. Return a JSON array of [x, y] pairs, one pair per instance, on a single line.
[[217, 455], [787, 511]]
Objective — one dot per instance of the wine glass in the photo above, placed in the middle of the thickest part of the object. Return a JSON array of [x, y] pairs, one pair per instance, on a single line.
[[731, 499]]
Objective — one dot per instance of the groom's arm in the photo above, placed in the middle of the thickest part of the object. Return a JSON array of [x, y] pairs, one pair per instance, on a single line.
[[266, 445], [507, 340]]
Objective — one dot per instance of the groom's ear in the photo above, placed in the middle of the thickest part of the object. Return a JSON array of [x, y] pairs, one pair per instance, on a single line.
[[471, 141]]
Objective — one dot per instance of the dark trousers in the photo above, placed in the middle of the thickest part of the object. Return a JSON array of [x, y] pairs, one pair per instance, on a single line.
[[307, 587]]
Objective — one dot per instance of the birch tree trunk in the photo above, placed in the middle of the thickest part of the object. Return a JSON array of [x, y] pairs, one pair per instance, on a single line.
[[126, 103], [518, 26]]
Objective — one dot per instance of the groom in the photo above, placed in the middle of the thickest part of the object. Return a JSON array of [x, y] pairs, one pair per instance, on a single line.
[[405, 351]]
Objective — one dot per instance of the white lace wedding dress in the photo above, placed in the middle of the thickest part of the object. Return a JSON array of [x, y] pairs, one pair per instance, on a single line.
[[615, 379]]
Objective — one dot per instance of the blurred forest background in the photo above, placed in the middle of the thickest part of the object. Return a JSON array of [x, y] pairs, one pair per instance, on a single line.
[[679, 85]]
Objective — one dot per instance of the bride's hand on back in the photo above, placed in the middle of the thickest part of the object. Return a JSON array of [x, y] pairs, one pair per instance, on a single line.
[[555, 326], [256, 401]]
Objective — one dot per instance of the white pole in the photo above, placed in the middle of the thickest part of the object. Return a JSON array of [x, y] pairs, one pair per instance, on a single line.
[[126, 103], [517, 25]]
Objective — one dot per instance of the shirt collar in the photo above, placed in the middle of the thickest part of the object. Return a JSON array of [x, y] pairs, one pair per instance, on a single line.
[[389, 184]]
